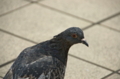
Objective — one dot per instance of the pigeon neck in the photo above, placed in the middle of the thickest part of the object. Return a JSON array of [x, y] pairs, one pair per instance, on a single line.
[[62, 43], [61, 48]]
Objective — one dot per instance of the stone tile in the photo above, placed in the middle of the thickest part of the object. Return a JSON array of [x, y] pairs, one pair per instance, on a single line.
[[38, 23], [93, 10], [119, 71], [104, 47], [114, 76], [77, 69], [10, 47], [1, 77], [8, 5], [114, 22], [33, 1], [5, 69]]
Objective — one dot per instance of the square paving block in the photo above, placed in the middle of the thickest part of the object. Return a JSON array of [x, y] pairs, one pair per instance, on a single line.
[[9, 5], [10, 47], [93, 10], [76, 69], [114, 22], [104, 47], [114, 76], [119, 71], [5, 69], [38, 23], [33, 1]]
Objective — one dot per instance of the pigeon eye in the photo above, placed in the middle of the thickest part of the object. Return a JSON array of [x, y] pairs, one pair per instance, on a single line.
[[74, 35]]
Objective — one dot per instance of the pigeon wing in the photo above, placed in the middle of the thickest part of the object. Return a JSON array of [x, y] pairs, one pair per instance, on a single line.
[[29, 66], [32, 70]]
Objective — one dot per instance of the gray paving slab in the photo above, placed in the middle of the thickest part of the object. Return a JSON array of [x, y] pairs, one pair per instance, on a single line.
[[93, 10], [119, 71], [114, 76], [8, 5], [114, 22], [5, 69], [38, 23], [10, 47], [33, 1], [76, 69], [104, 47]]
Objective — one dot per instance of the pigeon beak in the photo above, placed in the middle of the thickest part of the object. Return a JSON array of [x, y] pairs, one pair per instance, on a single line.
[[84, 42]]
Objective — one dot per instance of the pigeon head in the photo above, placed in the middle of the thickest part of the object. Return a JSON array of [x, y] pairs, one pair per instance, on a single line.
[[73, 35]]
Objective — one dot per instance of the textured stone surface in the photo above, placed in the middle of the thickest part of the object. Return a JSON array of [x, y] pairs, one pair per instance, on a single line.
[[9, 5], [41, 24], [93, 10], [119, 71], [10, 47], [114, 76], [114, 23], [4, 69], [77, 69], [104, 47], [33, 1]]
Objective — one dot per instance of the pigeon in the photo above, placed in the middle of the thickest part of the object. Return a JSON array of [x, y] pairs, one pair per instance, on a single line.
[[48, 59]]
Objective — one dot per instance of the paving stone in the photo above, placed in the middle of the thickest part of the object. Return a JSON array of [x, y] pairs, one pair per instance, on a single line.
[[8, 5], [104, 47], [76, 69], [114, 22], [34, 1], [114, 76], [38, 23], [1, 77], [10, 47], [93, 10], [5, 69], [119, 71]]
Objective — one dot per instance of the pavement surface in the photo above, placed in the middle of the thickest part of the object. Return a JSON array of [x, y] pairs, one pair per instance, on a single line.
[[24, 23]]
